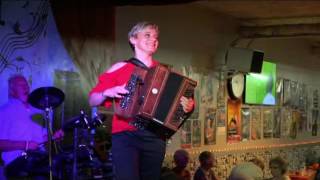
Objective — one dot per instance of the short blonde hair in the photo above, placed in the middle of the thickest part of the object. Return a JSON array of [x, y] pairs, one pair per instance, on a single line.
[[139, 27]]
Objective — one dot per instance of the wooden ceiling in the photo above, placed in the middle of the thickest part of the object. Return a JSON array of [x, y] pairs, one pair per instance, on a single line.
[[257, 18], [257, 9], [270, 18], [239, 9], [273, 19]]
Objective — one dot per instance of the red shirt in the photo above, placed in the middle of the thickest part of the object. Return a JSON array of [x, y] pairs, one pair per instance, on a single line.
[[116, 78]]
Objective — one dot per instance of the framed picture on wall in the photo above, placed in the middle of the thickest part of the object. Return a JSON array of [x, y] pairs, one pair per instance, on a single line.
[[286, 119], [186, 134], [309, 120], [267, 114], [315, 98], [286, 92], [314, 127], [221, 117], [277, 123], [279, 91], [294, 124], [255, 124], [304, 121], [297, 116], [221, 93], [196, 133], [245, 124], [234, 121], [207, 90], [210, 127], [189, 72], [294, 87], [303, 96]]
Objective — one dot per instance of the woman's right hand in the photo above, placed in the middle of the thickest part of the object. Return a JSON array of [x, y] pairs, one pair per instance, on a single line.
[[115, 92]]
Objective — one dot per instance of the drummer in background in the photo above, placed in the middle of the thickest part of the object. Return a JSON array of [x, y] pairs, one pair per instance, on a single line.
[[18, 131]]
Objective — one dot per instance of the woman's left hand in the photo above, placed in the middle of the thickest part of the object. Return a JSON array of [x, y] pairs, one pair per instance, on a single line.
[[187, 104]]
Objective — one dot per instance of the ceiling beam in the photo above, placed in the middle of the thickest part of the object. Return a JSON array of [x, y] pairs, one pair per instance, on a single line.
[[279, 21], [293, 30], [103, 3]]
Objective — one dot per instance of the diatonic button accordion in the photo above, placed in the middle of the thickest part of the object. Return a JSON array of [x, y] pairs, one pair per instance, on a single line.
[[154, 98]]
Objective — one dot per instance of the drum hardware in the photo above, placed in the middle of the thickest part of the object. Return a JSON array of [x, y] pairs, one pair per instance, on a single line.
[[83, 121], [101, 150], [98, 120], [47, 98], [78, 122], [75, 155]]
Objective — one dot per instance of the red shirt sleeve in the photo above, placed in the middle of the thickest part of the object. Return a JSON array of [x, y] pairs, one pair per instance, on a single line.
[[106, 81]]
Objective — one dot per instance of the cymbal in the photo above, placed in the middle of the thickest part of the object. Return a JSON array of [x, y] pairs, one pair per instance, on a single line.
[[46, 97]]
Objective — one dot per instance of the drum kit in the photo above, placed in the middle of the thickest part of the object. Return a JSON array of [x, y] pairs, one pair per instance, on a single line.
[[49, 98]]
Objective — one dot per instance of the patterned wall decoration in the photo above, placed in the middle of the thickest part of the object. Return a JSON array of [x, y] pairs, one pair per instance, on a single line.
[[30, 44]]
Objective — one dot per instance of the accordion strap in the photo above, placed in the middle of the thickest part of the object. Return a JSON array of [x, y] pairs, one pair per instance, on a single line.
[[137, 62]]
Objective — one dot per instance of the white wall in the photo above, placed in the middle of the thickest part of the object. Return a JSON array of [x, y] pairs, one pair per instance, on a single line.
[[188, 35]]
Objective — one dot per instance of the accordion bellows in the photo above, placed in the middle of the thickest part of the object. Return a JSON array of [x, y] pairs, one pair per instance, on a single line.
[[154, 95]]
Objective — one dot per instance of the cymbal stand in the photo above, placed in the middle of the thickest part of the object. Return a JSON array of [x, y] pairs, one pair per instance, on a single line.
[[75, 149], [82, 121], [49, 134]]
